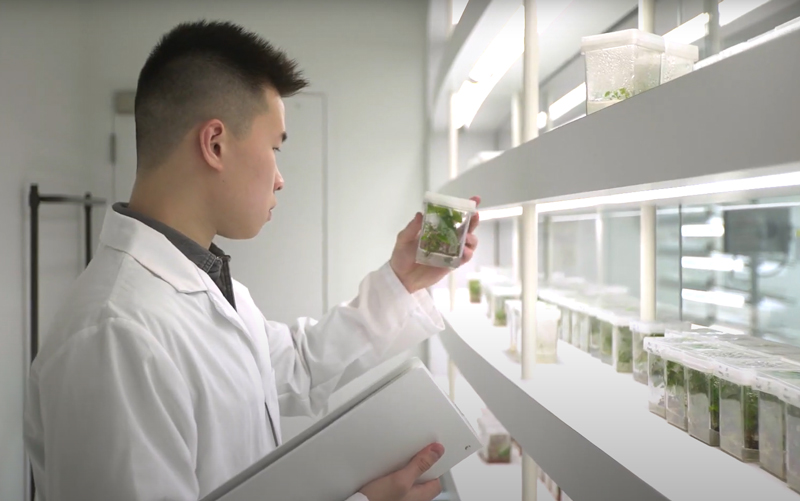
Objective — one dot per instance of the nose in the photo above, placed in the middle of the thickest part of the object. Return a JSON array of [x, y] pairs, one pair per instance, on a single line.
[[278, 182]]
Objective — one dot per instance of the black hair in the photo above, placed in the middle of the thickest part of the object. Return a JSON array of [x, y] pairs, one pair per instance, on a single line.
[[204, 70]]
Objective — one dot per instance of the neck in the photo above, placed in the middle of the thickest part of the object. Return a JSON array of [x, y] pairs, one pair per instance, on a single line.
[[173, 203]]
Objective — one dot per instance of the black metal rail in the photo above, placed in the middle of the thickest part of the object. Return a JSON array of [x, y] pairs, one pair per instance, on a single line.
[[36, 199]]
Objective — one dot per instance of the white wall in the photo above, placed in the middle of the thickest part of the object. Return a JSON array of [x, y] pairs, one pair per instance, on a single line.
[[368, 57], [42, 132]]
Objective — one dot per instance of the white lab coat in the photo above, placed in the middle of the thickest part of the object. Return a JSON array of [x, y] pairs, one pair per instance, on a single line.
[[152, 387]]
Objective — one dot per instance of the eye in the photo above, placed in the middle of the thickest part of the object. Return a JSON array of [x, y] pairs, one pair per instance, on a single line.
[[278, 150]]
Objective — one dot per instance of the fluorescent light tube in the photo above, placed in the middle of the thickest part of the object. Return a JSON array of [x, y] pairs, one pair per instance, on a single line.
[[487, 215], [690, 31], [714, 263], [495, 62], [719, 298], [753, 183], [703, 230], [568, 102]]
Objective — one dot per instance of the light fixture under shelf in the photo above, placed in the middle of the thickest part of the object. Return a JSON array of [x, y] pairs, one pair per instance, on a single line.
[[487, 215], [718, 298], [788, 179]]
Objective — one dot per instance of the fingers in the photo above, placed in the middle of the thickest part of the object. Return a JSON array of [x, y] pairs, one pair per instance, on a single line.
[[471, 241], [425, 492], [411, 231], [421, 463], [473, 222]]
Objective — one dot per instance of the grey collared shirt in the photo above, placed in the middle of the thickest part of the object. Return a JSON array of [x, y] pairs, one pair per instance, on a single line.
[[212, 260]]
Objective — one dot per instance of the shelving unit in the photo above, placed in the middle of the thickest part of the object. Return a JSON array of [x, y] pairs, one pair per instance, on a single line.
[[731, 120], [590, 428]]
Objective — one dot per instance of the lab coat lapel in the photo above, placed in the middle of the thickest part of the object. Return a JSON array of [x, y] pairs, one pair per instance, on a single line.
[[249, 336]]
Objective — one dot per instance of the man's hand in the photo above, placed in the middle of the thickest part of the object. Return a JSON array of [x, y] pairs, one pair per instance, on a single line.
[[400, 485], [404, 258]]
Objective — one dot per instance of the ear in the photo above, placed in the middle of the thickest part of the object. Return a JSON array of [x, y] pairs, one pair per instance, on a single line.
[[212, 137]]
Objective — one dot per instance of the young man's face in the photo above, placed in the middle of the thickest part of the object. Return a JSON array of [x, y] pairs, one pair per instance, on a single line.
[[252, 172]]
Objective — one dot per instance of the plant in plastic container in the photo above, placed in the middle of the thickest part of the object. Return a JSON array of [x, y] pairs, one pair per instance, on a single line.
[[606, 341], [738, 404], [702, 388], [474, 291], [595, 335], [676, 391], [444, 230], [639, 331], [577, 327], [656, 377], [772, 388], [793, 442], [622, 346]]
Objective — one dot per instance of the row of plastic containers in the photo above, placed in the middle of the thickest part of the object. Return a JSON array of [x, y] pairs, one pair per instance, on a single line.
[[739, 393]]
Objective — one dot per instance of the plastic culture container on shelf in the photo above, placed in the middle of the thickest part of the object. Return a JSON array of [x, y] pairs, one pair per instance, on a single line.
[[772, 431], [675, 377], [546, 333], [514, 314], [606, 352], [640, 330], [595, 333], [620, 65], [702, 388], [474, 286], [497, 299], [577, 323], [656, 378], [495, 439], [791, 399], [444, 230], [565, 323], [738, 403], [678, 60], [622, 344]]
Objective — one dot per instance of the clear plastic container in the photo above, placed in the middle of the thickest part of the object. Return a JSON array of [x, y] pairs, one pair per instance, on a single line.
[[546, 333], [620, 65], [656, 376], [474, 286], [514, 315], [605, 319], [498, 295], [738, 403], [791, 399], [586, 328], [577, 319], [565, 324], [444, 230], [772, 430], [640, 330], [702, 388], [495, 439], [676, 396], [622, 344], [678, 60]]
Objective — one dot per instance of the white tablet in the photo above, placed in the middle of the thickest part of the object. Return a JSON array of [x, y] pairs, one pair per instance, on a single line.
[[372, 435]]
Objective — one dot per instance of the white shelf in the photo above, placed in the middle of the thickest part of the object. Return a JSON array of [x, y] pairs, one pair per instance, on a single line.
[[590, 428], [736, 118]]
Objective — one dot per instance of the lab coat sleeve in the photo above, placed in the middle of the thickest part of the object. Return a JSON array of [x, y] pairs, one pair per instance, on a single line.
[[313, 359], [118, 417]]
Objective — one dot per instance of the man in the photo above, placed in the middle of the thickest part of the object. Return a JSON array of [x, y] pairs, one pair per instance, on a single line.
[[161, 379]]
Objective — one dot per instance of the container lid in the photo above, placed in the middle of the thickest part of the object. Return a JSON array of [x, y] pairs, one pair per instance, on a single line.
[[514, 305], [464, 204], [700, 360], [775, 381], [654, 345], [620, 39], [682, 50], [648, 327], [743, 370], [621, 320]]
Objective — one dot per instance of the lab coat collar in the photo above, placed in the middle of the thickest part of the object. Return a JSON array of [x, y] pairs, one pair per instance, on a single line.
[[152, 250]]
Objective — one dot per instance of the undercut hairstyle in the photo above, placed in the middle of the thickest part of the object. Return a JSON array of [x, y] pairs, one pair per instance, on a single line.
[[205, 70]]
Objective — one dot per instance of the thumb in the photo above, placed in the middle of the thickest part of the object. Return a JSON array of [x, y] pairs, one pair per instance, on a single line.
[[421, 463], [411, 231]]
